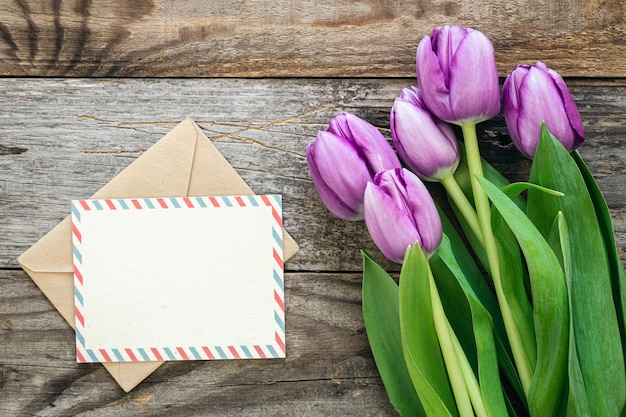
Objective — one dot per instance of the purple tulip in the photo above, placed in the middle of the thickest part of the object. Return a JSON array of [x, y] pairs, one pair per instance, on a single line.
[[457, 74], [343, 159], [536, 94], [427, 145], [399, 211]]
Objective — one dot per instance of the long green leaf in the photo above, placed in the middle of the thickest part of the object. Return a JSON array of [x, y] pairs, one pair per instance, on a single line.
[[473, 318], [513, 271], [419, 338], [482, 290], [514, 279], [559, 240], [475, 278], [596, 329], [550, 311], [618, 276], [382, 323], [514, 189]]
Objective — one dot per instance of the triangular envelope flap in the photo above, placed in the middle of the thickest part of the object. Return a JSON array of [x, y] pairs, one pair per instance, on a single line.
[[59, 288], [52, 253], [211, 173], [126, 373], [208, 166], [163, 170]]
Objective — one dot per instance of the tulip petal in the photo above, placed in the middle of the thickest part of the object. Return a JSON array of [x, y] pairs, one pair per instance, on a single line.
[[408, 126], [423, 208], [332, 202], [511, 85], [446, 40], [432, 82], [412, 95], [474, 60], [367, 140], [389, 226], [426, 146], [339, 126], [571, 109], [541, 101], [392, 183], [341, 168], [371, 145], [510, 99]]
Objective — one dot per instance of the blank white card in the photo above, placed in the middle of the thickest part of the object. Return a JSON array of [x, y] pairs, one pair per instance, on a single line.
[[180, 278]]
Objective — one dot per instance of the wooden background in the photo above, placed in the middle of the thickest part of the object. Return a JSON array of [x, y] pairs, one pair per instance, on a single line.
[[86, 86]]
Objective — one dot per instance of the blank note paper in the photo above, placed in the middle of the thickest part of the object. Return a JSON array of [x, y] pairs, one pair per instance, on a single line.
[[181, 278]]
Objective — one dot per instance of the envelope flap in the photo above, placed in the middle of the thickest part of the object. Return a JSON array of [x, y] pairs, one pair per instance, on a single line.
[[211, 174], [129, 374], [163, 170], [53, 252]]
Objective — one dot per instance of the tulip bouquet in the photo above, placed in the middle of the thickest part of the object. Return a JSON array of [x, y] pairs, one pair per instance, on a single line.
[[519, 308]]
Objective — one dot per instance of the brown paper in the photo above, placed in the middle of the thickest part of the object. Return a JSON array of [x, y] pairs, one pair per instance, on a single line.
[[183, 163]]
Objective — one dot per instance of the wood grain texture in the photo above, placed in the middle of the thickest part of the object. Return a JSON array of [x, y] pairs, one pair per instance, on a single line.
[[338, 38], [64, 139], [156, 62]]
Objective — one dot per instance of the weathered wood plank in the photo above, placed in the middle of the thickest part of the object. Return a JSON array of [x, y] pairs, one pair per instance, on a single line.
[[64, 139], [329, 369], [194, 38]]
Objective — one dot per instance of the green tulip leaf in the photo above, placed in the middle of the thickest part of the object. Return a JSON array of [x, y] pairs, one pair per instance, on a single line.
[[382, 323], [513, 273], [471, 281], [420, 343], [474, 277], [559, 239], [515, 285], [473, 324], [595, 323], [550, 309], [516, 188], [618, 277]]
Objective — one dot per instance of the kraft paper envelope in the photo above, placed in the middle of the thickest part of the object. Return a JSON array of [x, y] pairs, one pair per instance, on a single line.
[[183, 163]]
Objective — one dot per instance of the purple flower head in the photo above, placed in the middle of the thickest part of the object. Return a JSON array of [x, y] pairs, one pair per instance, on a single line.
[[457, 74], [343, 159], [536, 94], [425, 144], [399, 211]]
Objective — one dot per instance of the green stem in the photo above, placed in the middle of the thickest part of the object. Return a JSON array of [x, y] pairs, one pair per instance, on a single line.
[[457, 381], [464, 206], [483, 210], [473, 388]]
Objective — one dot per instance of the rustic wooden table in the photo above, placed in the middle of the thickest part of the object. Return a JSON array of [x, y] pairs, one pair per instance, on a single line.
[[87, 86]]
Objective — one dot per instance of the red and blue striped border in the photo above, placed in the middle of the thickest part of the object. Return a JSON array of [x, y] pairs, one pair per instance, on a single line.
[[276, 349]]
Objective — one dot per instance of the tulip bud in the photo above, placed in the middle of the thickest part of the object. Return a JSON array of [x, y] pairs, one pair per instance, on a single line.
[[425, 144], [457, 74], [343, 159], [399, 211], [536, 94]]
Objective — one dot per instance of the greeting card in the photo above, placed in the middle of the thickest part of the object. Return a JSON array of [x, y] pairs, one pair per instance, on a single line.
[[178, 278]]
